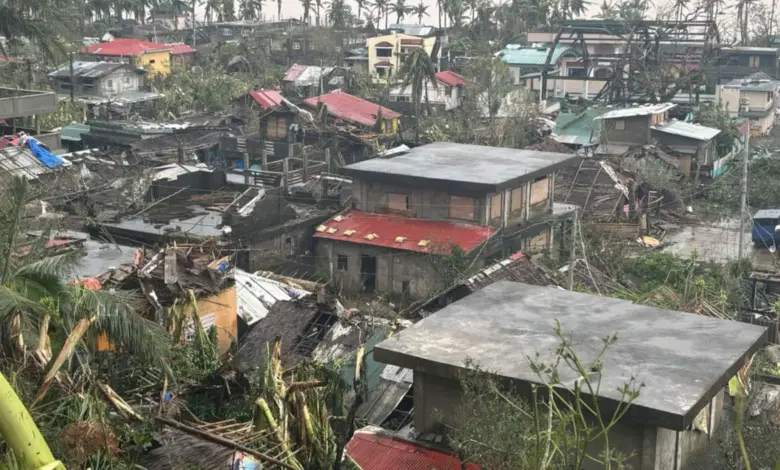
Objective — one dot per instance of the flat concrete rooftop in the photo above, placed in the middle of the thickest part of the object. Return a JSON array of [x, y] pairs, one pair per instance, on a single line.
[[480, 166], [683, 359]]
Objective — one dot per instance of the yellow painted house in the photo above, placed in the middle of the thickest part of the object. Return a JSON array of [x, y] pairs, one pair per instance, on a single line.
[[154, 57], [387, 53]]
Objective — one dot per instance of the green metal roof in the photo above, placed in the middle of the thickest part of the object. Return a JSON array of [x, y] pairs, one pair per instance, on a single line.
[[72, 132], [578, 129], [515, 55]]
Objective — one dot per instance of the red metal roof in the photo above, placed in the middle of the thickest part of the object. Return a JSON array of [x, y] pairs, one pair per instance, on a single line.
[[375, 452], [450, 78], [384, 230], [411, 42], [383, 63], [384, 44], [267, 99], [127, 47], [178, 48], [351, 108]]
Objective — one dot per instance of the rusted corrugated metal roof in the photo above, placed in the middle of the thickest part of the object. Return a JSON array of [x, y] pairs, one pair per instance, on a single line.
[[372, 451], [351, 108], [402, 233]]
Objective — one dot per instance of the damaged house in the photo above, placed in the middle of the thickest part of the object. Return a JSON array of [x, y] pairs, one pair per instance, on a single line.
[[411, 210]]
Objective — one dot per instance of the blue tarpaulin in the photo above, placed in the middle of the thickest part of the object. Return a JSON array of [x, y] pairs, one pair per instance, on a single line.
[[48, 159]]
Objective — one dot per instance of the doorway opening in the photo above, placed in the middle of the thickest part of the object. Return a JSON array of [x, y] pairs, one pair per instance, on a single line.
[[368, 273]]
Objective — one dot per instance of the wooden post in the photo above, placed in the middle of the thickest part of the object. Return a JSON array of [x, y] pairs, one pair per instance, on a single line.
[[327, 160], [305, 158], [180, 154], [246, 168], [264, 158], [285, 169]]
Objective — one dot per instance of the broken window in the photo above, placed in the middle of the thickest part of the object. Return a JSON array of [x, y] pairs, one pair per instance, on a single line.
[[296, 45], [342, 262], [402, 414], [540, 190], [495, 206], [315, 332], [516, 200], [620, 125], [397, 202], [461, 208]]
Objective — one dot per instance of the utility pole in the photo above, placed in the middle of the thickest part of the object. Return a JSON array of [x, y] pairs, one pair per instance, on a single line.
[[573, 243], [72, 85], [743, 203]]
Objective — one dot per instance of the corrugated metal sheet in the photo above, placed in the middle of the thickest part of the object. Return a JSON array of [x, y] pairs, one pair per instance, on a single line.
[[382, 401], [351, 108], [450, 78], [514, 55], [87, 69], [306, 75], [20, 161], [412, 29], [688, 129], [383, 230], [256, 294], [372, 451], [267, 99], [126, 47], [173, 171], [637, 111]]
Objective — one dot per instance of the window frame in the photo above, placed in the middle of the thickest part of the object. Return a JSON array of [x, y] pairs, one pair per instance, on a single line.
[[620, 124], [342, 260], [397, 196], [461, 206]]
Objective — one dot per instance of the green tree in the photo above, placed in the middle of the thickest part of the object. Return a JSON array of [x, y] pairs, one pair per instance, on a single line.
[[382, 9], [32, 290], [419, 11], [418, 71], [251, 9], [34, 21], [399, 9], [361, 4]]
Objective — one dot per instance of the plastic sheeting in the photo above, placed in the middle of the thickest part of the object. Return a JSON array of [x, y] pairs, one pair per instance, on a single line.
[[48, 159]]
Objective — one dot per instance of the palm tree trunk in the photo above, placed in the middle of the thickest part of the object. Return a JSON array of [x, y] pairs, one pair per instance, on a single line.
[[20, 432]]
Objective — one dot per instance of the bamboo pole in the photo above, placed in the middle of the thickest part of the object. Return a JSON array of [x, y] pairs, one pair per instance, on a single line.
[[224, 442]]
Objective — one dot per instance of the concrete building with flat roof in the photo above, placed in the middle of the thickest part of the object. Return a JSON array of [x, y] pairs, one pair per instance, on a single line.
[[485, 201], [684, 361]]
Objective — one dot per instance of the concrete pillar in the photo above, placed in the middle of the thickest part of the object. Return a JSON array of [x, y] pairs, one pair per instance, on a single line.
[[37, 125], [264, 158]]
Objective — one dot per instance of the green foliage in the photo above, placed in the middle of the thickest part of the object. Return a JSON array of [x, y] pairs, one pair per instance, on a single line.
[[763, 190], [716, 116], [451, 263], [198, 358], [500, 429], [211, 89]]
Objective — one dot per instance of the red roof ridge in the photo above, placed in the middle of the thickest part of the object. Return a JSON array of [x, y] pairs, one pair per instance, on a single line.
[[127, 47]]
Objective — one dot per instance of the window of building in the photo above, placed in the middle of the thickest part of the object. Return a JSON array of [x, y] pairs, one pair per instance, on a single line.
[[540, 190], [65, 85], [151, 61], [620, 125], [127, 80], [516, 200], [461, 208], [109, 84], [577, 72], [397, 202], [88, 83], [276, 127], [405, 286], [384, 52], [342, 262], [227, 32], [754, 60], [245, 32], [296, 45], [495, 206], [382, 72]]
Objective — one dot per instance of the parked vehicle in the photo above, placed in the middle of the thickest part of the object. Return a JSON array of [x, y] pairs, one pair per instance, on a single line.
[[765, 228]]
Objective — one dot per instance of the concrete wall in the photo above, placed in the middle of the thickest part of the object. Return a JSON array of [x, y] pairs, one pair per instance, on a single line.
[[393, 268], [437, 401], [117, 82], [705, 150], [729, 99], [22, 103]]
